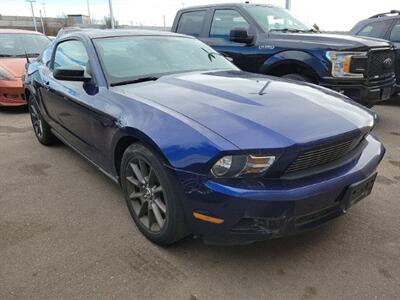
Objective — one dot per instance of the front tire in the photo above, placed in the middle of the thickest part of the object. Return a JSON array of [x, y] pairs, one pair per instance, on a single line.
[[152, 196], [40, 127]]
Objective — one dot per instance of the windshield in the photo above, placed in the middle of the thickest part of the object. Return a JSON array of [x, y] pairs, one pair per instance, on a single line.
[[131, 57], [15, 45], [275, 19]]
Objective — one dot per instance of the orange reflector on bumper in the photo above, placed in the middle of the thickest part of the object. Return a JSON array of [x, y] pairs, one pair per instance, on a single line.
[[207, 218]]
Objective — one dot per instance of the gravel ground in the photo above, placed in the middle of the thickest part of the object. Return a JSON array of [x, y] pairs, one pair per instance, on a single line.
[[65, 233]]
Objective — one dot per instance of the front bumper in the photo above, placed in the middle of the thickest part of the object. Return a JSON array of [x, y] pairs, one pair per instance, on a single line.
[[12, 93], [269, 209], [366, 93]]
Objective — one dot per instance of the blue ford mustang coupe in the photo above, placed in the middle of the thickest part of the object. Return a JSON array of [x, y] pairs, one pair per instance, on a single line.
[[198, 146]]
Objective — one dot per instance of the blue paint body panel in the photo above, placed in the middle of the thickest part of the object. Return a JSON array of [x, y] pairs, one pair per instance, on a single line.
[[193, 119], [283, 53]]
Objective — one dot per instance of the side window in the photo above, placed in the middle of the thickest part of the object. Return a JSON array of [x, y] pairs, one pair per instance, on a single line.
[[395, 34], [224, 21], [191, 22], [376, 29], [71, 53]]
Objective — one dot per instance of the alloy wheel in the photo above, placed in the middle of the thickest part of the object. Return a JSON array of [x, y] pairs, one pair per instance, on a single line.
[[146, 195], [36, 120]]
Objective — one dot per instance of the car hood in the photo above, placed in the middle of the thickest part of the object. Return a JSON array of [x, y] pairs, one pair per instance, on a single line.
[[255, 111], [16, 66], [325, 41]]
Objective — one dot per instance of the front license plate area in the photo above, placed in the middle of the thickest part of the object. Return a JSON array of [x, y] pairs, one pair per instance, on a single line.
[[358, 191], [386, 93]]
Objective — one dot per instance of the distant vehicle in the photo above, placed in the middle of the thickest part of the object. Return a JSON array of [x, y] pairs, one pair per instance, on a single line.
[[384, 26], [269, 40], [197, 145], [16, 46]]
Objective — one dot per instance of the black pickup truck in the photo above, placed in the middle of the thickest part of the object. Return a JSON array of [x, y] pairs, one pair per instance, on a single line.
[[269, 40]]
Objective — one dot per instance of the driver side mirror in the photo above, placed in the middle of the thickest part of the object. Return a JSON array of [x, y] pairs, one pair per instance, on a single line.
[[71, 73], [240, 35]]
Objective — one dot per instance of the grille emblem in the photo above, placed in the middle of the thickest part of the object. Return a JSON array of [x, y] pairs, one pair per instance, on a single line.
[[388, 63]]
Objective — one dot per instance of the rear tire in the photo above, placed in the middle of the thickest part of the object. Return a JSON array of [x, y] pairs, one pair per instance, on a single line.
[[40, 126], [152, 196], [297, 77]]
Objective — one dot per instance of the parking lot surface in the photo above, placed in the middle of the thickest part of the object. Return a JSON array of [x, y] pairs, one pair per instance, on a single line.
[[65, 232]]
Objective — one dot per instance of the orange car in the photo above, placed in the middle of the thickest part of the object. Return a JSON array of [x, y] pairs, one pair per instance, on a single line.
[[15, 46]]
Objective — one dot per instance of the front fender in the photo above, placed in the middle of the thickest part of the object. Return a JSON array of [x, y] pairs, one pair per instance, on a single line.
[[183, 143], [316, 63]]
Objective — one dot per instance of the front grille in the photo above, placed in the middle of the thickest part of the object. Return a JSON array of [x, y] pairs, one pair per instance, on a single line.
[[322, 155], [378, 65]]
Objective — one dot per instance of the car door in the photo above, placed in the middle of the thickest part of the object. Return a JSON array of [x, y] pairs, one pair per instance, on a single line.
[[223, 21], [72, 104], [395, 38]]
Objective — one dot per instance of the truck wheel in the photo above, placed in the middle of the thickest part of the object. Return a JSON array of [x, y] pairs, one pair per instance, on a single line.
[[297, 77]]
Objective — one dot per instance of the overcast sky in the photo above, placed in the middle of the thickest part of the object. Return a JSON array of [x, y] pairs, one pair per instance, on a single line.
[[329, 15]]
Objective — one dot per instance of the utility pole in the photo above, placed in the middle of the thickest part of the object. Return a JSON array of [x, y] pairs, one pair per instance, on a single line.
[[288, 4], [33, 13], [165, 23], [88, 10], [44, 9], [41, 20], [111, 15]]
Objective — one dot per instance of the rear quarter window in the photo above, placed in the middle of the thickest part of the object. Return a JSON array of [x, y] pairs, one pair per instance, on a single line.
[[191, 22]]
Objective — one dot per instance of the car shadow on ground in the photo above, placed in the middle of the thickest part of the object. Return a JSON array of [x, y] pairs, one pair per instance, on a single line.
[[394, 101], [14, 110]]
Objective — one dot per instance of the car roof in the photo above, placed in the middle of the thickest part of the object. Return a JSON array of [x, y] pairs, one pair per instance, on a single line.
[[392, 15], [226, 4], [380, 17], [105, 33], [19, 31]]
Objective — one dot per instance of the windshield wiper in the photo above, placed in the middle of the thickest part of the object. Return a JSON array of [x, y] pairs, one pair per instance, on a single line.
[[136, 80], [211, 55], [7, 55], [286, 30]]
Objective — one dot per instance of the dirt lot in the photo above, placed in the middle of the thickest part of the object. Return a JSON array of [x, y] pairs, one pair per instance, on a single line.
[[65, 233]]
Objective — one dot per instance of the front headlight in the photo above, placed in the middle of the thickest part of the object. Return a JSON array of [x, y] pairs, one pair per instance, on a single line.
[[238, 165], [342, 63], [5, 75]]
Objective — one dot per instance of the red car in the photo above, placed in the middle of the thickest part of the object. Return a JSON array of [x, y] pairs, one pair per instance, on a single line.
[[15, 45]]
